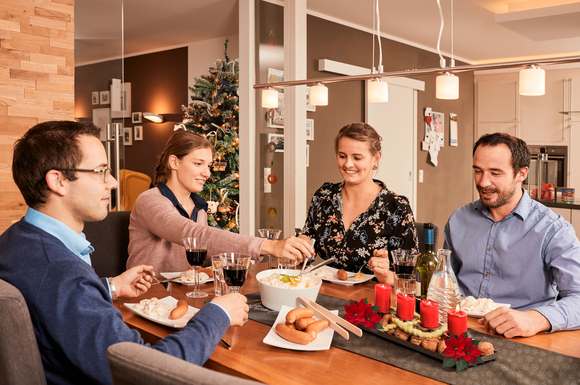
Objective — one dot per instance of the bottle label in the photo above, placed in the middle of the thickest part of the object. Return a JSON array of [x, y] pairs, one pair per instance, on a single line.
[[418, 289]]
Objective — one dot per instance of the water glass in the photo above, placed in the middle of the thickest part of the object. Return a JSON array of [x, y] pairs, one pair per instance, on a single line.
[[405, 261], [219, 284], [235, 268], [272, 234]]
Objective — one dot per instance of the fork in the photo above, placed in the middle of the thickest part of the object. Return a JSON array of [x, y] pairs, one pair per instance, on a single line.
[[359, 270]]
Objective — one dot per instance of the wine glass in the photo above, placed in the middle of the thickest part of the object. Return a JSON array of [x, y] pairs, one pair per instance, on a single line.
[[195, 253], [405, 261], [269, 233], [235, 267]]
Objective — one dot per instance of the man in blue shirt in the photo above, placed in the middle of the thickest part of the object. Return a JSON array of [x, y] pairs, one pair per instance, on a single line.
[[511, 248], [61, 170]]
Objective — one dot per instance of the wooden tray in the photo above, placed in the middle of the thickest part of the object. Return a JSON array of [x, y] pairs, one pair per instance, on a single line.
[[408, 345]]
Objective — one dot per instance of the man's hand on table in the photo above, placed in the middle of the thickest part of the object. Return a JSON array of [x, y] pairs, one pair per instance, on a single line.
[[379, 264], [515, 323], [236, 305], [133, 282]]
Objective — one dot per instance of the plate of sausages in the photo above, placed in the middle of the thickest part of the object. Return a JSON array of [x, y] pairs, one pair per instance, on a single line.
[[299, 329], [166, 311]]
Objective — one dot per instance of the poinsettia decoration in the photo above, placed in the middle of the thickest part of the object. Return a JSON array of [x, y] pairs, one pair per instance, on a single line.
[[362, 313], [461, 352]]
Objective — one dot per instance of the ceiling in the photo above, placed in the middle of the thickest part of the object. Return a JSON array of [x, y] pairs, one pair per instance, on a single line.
[[485, 30]]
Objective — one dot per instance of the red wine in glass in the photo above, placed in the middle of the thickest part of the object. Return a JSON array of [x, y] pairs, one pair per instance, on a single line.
[[196, 257], [235, 275]]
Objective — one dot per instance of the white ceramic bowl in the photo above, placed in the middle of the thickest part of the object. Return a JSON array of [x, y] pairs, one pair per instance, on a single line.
[[274, 297]]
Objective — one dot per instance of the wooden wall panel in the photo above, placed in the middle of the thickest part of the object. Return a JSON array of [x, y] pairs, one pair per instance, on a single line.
[[36, 80]]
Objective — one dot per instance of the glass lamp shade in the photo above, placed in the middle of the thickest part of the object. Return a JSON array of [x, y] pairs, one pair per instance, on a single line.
[[269, 98], [378, 91], [532, 81], [318, 95], [153, 117], [447, 86]]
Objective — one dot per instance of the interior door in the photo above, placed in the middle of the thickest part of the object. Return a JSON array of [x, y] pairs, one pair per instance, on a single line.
[[396, 122]]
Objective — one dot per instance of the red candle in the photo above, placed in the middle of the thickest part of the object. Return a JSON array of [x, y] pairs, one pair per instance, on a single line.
[[383, 297], [456, 322], [405, 307], [429, 314]]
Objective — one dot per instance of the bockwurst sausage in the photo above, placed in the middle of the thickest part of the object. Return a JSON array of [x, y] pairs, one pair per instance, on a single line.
[[296, 313], [316, 327], [179, 310], [302, 323], [289, 333]]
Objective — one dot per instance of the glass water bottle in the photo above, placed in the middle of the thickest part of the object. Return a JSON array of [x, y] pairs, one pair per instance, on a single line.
[[443, 286]]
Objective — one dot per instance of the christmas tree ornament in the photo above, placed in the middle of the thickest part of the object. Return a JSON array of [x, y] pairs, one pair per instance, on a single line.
[[212, 207]]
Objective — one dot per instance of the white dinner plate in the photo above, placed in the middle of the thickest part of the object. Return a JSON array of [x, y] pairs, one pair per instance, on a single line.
[[175, 276], [322, 341], [477, 310], [164, 307], [328, 273]]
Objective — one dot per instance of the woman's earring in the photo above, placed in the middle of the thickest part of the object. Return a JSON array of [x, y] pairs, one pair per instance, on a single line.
[[375, 167]]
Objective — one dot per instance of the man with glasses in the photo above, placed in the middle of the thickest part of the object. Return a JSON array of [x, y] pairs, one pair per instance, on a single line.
[[61, 170]]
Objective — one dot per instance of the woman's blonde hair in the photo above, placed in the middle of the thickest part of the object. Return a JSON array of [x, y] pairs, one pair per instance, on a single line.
[[363, 133], [179, 144]]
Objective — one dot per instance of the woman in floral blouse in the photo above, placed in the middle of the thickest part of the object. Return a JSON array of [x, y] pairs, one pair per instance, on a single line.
[[359, 220]]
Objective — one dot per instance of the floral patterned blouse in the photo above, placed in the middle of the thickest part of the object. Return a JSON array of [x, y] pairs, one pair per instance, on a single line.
[[387, 224]]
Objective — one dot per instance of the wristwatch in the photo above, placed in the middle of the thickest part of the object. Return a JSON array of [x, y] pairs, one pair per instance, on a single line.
[[112, 288]]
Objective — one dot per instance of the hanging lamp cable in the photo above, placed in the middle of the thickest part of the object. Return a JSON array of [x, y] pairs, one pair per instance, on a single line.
[[378, 30], [442, 63], [452, 62]]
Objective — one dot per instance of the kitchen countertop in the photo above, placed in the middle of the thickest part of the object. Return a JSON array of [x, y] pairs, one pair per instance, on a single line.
[[563, 205]]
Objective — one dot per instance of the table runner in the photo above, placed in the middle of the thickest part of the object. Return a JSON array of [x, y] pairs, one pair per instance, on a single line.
[[515, 363]]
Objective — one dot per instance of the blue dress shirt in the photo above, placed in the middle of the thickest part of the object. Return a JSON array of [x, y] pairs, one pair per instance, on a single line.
[[530, 259]]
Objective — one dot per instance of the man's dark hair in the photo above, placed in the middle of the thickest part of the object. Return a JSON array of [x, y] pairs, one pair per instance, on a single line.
[[518, 148], [47, 146]]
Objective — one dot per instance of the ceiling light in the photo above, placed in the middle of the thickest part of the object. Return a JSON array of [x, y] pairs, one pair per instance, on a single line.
[[378, 91], [152, 117], [447, 86], [532, 81], [318, 95], [269, 98]]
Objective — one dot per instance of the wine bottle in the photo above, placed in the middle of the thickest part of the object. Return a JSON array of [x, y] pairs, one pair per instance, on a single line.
[[427, 261]]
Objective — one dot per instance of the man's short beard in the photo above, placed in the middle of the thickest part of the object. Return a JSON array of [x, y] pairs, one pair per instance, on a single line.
[[501, 200]]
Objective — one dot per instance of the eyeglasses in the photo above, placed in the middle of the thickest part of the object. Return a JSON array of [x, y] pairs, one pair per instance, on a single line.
[[104, 171]]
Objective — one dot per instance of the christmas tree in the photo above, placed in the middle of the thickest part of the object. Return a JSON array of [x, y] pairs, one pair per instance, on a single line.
[[213, 112]]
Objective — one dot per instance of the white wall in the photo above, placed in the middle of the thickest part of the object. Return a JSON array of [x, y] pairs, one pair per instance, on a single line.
[[203, 53]]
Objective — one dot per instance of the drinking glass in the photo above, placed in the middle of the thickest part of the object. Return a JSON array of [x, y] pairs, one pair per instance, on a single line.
[[269, 233], [235, 267], [195, 253], [219, 285], [405, 261]]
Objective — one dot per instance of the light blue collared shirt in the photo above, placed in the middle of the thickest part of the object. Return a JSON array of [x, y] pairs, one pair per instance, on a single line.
[[530, 259]]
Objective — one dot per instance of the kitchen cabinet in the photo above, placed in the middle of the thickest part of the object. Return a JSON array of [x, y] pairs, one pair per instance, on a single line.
[[496, 100], [574, 84], [540, 117], [564, 213]]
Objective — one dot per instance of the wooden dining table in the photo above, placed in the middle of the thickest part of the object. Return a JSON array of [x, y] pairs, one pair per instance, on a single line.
[[250, 358]]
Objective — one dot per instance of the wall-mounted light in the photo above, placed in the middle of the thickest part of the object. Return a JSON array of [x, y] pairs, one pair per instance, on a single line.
[[532, 81], [447, 86], [378, 91], [152, 117], [269, 98], [318, 95]]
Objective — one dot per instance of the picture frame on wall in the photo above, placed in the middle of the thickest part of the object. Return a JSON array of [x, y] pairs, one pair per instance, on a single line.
[[95, 98], [104, 97], [128, 136], [101, 119], [274, 116], [136, 117], [138, 134], [125, 110], [278, 140], [309, 129]]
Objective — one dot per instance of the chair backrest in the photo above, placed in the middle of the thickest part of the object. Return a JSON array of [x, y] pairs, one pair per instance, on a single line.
[[20, 362], [110, 238], [132, 184], [134, 364], [420, 226]]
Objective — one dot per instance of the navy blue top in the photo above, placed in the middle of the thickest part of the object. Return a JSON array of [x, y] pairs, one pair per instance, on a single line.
[[198, 201], [72, 314]]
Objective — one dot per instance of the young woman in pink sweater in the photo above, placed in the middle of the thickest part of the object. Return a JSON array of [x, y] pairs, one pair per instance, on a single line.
[[163, 215]]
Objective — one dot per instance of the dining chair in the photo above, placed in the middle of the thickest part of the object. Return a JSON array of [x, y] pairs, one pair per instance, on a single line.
[[135, 364], [132, 184], [20, 362], [110, 238]]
